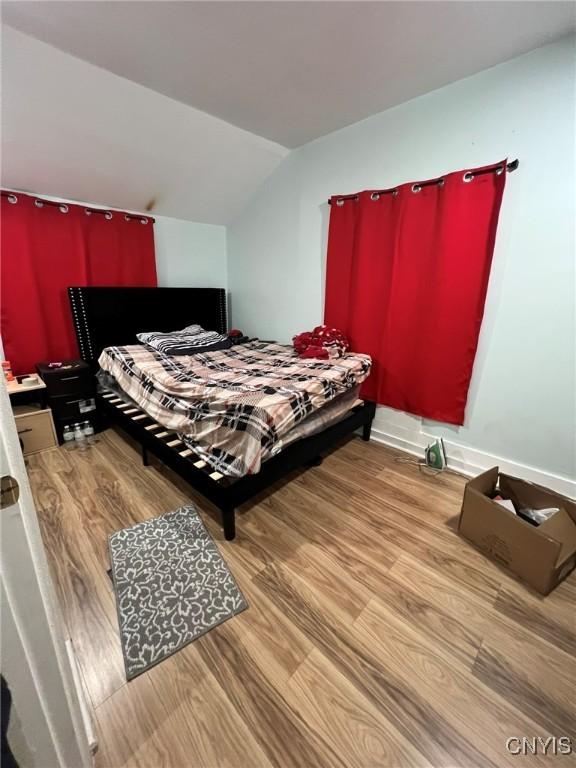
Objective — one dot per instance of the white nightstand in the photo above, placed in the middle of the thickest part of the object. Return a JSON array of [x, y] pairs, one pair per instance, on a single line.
[[33, 420]]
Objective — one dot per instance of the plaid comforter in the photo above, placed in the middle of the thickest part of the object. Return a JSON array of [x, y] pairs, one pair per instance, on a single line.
[[232, 407]]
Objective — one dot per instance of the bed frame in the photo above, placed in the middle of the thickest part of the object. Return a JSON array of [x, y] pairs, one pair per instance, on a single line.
[[112, 317]]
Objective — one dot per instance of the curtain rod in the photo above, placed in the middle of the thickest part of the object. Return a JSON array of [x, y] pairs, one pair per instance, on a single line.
[[40, 202], [468, 176]]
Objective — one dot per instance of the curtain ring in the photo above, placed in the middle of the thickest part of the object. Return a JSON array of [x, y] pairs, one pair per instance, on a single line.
[[126, 217], [416, 188], [63, 208], [144, 220], [339, 201], [38, 203], [441, 183], [499, 170], [87, 211], [395, 193], [12, 199], [374, 196], [108, 215], [468, 176]]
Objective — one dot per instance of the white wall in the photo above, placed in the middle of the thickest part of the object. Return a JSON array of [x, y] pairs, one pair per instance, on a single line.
[[189, 254], [521, 406]]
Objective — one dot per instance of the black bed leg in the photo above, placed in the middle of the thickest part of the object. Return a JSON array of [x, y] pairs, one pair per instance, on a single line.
[[366, 430], [145, 457], [229, 523]]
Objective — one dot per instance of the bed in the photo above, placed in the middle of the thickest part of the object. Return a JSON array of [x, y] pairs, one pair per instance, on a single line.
[[160, 401]]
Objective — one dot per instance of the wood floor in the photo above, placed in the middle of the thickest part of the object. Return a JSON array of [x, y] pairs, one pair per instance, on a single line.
[[375, 636]]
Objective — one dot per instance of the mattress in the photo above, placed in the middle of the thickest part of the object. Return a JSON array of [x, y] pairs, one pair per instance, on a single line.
[[235, 408]]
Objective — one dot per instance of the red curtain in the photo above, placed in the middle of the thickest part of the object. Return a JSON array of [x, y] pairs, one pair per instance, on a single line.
[[407, 275], [47, 247]]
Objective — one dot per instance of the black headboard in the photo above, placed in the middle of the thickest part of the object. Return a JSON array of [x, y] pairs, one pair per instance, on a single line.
[[107, 317]]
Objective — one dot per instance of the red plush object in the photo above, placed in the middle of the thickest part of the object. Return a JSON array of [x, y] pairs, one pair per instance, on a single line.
[[323, 342]]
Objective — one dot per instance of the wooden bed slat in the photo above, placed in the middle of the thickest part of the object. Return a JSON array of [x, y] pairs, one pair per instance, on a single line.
[[139, 417], [216, 476], [123, 406], [172, 443], [150, 427], [186, 453], [108, 395], [132, 410], [199, 464]]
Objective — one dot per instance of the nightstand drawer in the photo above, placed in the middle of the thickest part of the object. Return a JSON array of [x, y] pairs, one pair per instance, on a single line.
[[73, 407], [35, 430], [70, 383]]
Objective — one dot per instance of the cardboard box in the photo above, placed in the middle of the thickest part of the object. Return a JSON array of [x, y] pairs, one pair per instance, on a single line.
[[542, 555]]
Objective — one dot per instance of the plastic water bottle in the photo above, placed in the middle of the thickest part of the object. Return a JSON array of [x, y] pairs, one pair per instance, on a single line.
[[68, 436], [88, 430], [79, 436]]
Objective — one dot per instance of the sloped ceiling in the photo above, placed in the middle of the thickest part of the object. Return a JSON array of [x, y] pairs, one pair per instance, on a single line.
[[111, 114], [293, 71], [73, 130]]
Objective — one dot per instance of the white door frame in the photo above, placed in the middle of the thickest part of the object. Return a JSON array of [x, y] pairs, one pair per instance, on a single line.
[[35, 659]]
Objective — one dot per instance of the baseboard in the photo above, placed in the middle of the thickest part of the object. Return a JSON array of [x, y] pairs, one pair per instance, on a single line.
[[85, 712], [470, 461]]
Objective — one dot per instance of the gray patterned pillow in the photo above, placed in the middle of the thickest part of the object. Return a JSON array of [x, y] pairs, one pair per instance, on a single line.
[[189, 341]]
